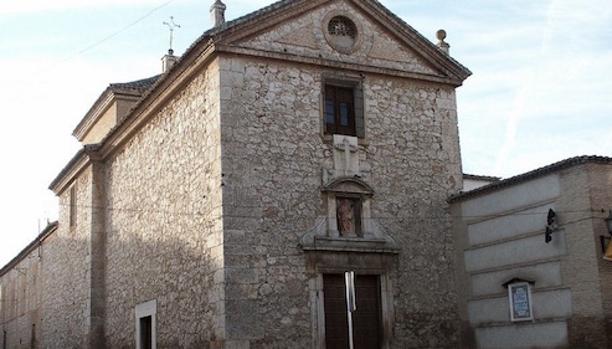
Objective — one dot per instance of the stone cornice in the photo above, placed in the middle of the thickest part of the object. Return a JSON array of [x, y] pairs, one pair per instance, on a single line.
[[205, 48], [267, 20], [537, 173], [219, 40], [75, 166], [164, 89], [50, 229], [155, 99], [414, 39], [393, 24], [100, 107], [328, 63]]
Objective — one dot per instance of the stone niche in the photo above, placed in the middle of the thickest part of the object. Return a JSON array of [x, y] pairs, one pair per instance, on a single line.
[[347, 223]]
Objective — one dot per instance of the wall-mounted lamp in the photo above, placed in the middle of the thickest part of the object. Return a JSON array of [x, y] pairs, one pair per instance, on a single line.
[[551, 225]]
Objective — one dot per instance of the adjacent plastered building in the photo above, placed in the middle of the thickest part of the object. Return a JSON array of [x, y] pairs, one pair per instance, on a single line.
[[530, 264], [219, 204]]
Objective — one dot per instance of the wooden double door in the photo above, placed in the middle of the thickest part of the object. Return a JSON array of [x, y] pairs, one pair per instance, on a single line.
[[367, 324]]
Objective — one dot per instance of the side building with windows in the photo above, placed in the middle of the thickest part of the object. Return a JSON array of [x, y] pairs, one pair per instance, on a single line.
[[218, 205], [530, 258]]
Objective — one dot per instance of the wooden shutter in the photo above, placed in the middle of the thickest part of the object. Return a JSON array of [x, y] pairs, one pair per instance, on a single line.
[[366, 320], [359, 111], [345, 109], [342, 103], [336, 326]]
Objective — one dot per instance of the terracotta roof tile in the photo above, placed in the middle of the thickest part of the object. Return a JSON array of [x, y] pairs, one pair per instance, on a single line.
[[141, 85], [540, 172]]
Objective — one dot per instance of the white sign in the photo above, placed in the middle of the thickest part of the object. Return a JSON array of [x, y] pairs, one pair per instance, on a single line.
[[519, 295]]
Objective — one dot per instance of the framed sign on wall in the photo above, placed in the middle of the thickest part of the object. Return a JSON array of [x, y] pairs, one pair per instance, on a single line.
[[521, 307]]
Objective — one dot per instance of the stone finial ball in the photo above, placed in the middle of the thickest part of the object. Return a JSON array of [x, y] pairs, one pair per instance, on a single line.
[[441, 34]]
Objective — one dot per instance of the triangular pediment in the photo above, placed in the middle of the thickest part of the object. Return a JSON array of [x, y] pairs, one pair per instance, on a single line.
[[384, 41]]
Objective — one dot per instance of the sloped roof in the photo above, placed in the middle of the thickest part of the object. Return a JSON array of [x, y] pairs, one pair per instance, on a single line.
[[209, 37], [150, 84], [537, 173], [51, 227], [481, 177], [148, 89], [280, 5], [133, 88], [138, 85]]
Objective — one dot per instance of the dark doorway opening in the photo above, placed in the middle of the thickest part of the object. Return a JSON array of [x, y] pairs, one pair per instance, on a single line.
[[146, 332], [367, 328]]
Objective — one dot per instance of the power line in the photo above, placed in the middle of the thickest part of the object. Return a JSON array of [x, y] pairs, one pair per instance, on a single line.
[[109, 37], [398, 218]]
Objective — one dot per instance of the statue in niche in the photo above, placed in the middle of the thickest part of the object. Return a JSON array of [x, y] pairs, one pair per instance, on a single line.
[[346, 216]]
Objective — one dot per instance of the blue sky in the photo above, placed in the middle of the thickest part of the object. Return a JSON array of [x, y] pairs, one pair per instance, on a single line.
[[541, 89]]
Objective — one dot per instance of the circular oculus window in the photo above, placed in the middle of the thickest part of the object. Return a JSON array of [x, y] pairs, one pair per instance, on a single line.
[[342, 34]]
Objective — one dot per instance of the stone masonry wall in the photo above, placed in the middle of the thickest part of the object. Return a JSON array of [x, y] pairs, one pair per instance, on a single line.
[[601, 199], [579, 269], [305, 36], [65, 285], [163, 223], [273, 153], [20, 304]]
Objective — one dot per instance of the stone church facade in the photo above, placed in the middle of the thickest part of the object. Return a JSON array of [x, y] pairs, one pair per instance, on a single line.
[[219, 204]]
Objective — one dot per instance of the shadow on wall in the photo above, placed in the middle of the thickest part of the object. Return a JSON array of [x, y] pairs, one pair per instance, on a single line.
[[20, 304], [153, 264]]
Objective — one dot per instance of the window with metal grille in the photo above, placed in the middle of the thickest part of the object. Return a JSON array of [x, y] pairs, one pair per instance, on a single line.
[[342, 26]]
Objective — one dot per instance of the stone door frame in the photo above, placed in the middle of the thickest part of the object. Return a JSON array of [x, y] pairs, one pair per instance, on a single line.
[[318, 302]]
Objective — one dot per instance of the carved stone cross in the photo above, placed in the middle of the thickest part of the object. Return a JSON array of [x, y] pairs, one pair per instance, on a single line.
[[346, 159]]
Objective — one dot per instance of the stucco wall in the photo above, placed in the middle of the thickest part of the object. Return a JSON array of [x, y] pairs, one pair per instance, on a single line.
[[273, 155], [163, 222], [500, 236]]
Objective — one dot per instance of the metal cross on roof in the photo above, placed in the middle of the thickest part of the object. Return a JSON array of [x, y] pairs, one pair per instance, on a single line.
[[171, 26]]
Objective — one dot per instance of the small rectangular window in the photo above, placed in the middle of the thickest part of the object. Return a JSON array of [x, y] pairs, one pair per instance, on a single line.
[[73, 207], [146, 332], [146, 325], [340, 111]]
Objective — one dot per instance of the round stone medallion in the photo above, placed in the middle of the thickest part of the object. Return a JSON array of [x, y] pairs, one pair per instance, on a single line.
[[342, 33]]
